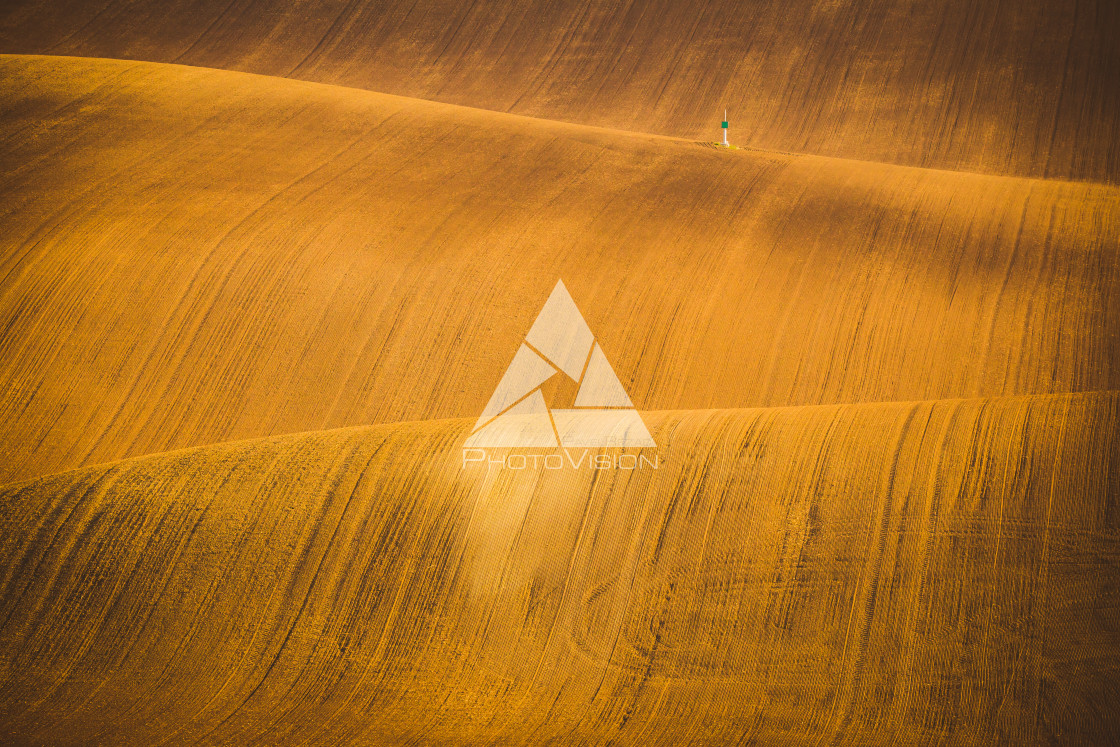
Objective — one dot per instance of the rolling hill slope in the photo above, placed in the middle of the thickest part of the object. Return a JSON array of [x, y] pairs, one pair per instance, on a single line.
[[252, 303], [1025, 88], [194, 256], [882, 574]]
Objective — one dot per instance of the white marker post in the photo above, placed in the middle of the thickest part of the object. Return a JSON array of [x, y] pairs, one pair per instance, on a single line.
[[725, 143]]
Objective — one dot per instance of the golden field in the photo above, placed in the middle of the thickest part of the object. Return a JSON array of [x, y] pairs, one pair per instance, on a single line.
[[252, 302], [162, 253], [1025, 88], [865, 574]]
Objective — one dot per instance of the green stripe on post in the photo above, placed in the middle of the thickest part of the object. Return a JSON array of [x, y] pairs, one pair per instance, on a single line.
[[724, 125]]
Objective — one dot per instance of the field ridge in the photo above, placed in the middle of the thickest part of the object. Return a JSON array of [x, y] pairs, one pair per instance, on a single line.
[[606, 130], [466, 423], [1022, 88]]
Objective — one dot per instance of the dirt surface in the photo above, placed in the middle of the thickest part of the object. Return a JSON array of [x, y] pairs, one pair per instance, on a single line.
[[894, 573], [1026, 87], [196, 256], [252, 304]]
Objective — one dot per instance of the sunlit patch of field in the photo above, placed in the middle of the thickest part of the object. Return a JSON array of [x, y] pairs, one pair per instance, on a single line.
[[196, 256]]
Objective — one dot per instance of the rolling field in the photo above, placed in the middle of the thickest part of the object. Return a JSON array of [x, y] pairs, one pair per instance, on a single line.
[[262, 266], [893, 573], [1025, 88], [385, 268]]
